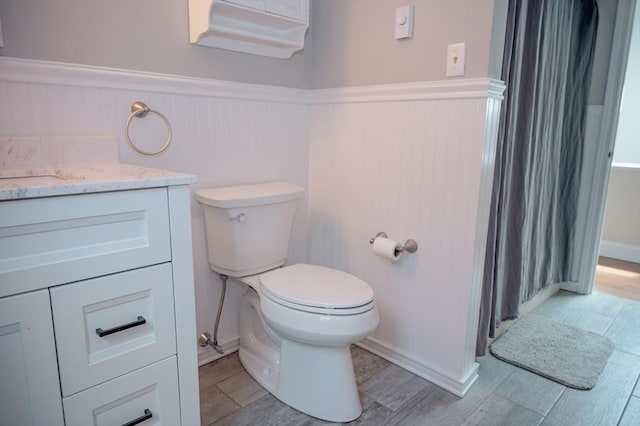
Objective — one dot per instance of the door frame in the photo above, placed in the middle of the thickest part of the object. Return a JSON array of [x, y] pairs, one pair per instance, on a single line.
[[589, 231]]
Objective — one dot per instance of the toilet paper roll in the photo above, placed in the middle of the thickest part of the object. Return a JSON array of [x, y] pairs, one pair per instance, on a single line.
[[387, 248]]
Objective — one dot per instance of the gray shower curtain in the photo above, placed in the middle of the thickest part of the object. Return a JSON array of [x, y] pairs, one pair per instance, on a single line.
[[547, 62]]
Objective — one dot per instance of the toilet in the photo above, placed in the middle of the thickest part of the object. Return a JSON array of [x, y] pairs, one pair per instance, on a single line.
[[296, 322]]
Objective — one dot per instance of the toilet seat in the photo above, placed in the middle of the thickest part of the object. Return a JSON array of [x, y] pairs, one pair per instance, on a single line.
[[317, 289]]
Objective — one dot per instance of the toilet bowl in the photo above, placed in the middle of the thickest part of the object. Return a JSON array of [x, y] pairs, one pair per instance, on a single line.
[[296, 322], [297, 345]]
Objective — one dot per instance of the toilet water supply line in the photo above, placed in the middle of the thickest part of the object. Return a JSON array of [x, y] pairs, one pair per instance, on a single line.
[[205, 338]]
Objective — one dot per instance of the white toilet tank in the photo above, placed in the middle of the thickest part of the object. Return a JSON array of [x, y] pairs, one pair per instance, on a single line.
[[248, 226]]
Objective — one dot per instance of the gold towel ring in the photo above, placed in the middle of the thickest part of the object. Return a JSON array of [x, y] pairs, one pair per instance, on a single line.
[[140, 109]]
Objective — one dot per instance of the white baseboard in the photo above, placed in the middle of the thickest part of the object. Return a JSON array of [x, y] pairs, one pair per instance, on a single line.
[[458, 388], [208, 354], [628, 252]]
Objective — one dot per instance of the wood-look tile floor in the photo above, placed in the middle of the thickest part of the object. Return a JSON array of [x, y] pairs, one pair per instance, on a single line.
[[503, 394], [618, 277]]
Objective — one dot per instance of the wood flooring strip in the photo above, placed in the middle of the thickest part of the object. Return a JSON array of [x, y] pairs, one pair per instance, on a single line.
[[618, 277]]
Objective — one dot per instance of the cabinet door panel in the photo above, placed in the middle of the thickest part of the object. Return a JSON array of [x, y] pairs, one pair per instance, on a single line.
[[253, 4], [29, 387], [108, 303], [151, 390], [296, 9], [56, 240]]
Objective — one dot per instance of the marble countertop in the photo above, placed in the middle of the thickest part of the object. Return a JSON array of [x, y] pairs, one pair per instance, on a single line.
[[32, 182]]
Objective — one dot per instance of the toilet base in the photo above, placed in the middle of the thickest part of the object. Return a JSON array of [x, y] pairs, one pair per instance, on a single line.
[[319, 381], [332, 397]]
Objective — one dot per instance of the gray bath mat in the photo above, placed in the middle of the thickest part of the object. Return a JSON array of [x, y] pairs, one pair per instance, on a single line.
[[559, 352]]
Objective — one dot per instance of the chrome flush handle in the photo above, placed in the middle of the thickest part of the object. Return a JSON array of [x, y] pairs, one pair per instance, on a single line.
[[242, 218]]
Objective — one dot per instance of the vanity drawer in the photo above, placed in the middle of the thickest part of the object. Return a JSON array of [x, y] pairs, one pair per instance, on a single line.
[[56, 240], [108, 326], [151, 390]]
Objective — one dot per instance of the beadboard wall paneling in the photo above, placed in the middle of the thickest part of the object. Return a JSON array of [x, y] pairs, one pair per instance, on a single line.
[[223, 133], [413, 160], [418, 169]]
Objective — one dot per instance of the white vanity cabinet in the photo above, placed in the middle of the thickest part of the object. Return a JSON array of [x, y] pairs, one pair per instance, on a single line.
[[109, 274]]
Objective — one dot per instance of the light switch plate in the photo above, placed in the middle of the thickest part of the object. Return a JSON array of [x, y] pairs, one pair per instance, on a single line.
[[403, 22], [455, 59]]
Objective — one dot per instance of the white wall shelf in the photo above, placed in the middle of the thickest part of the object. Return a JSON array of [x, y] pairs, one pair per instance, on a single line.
[[267, 28]]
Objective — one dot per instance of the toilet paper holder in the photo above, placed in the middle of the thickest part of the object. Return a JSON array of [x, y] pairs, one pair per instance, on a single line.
[[410, 246]]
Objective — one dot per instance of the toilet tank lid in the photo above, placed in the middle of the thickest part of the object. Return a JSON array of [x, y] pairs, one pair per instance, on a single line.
[[249, 195]]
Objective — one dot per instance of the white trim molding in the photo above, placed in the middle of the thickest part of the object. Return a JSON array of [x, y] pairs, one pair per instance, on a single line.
[[64, 74], [427, 90], [46, 72], [628, 252], [596, 199], [457, 387], [590, 158]]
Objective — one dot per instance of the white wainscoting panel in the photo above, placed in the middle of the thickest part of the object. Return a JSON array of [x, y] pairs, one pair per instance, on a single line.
[[421, 169], [225, 133], [413, 160]]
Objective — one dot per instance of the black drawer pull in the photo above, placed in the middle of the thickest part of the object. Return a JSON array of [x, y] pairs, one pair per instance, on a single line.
[[147, 415], [100, 332]]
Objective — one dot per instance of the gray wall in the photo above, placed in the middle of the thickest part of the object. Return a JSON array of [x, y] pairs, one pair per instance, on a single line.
[[607, 17], [621, 225], [353, 43], [627, 148], [142, 35], [354, 46], [349, 43]]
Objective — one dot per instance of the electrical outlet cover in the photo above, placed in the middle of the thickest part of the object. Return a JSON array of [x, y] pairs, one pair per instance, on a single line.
[[455, 59]]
